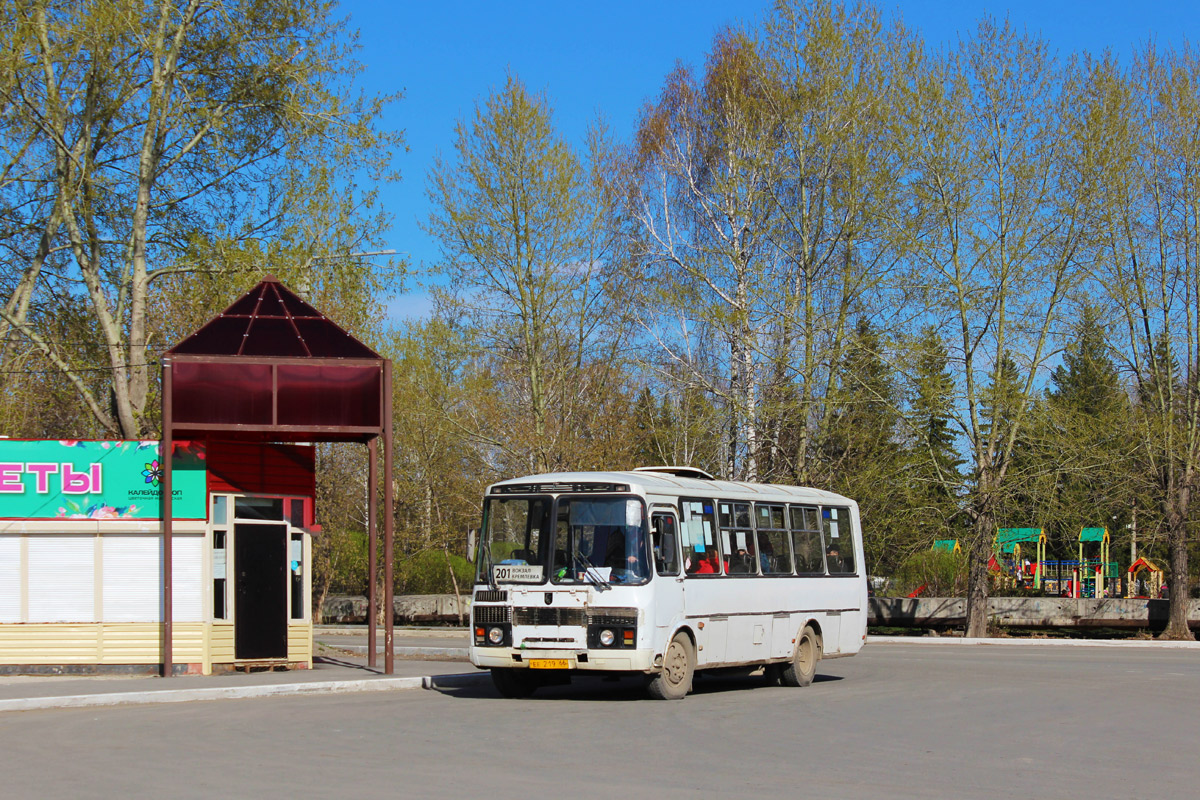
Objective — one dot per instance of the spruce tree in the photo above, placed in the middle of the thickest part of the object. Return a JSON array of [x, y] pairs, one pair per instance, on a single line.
[[859, 450], [934, 462]]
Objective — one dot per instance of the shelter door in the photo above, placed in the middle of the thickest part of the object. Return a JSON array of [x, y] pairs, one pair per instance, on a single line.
[[260, 610]]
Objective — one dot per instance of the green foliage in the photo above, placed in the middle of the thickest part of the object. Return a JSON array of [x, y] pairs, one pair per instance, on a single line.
[[1077, 459], [339, 562], [934, 481], [830, 256], [1087, 382], [428, 572], [676, 429], [163, 140], [942, 574], [929, 418]]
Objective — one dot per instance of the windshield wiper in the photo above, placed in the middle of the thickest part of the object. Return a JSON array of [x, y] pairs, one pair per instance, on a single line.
[[592, 572], [491, 572]]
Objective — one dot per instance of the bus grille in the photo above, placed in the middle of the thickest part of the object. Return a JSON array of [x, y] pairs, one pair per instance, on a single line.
[[548, 616], [486, 615], [491, 596], [613, 616]]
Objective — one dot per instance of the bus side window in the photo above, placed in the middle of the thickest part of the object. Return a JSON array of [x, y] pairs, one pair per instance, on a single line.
[[699, 537], [839, 541], [666, 549], [741, 554], [806, 541], [774, 551]]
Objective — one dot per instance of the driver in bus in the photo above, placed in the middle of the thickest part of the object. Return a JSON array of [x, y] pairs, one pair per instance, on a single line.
[[624, 557]]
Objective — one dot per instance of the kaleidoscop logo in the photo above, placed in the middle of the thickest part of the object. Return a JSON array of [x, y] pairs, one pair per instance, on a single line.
[[153, 473]]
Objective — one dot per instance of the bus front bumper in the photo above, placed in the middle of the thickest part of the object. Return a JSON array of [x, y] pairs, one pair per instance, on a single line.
[[621, 660]]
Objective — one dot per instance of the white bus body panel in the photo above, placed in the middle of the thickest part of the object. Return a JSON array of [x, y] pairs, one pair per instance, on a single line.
[[734, 620]]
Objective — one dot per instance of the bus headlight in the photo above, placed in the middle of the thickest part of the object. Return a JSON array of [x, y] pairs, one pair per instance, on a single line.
[[496, 635], [607, 638]]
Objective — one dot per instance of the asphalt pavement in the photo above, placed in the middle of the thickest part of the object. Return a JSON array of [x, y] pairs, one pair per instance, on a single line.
[[900, 720]]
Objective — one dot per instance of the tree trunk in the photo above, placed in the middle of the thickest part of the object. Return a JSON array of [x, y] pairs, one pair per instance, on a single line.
[[977, 575], [1179, 587]]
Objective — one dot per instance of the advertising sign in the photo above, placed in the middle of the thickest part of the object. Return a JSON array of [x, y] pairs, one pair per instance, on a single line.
[[98, 480]]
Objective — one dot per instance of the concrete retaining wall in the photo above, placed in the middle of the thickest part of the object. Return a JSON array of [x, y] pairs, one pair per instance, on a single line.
[[1032, 612], [410, 608]]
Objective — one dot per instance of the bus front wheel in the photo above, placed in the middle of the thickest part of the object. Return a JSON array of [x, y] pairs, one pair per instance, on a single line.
[[803, 666], [675, 680], [513, 683]]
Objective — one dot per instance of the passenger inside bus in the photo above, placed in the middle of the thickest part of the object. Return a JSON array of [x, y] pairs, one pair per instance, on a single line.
[[739, 563], [766, 558], [739, 545], [835, 561]]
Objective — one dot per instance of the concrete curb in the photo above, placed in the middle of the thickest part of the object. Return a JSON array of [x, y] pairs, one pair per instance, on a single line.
[[240, 692], [959, 640]]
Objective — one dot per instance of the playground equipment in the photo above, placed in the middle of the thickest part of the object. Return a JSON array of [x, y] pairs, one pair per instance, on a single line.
[[1083, 576], [1007, 549], [947, 546], [1096, 574], [1152, 581]]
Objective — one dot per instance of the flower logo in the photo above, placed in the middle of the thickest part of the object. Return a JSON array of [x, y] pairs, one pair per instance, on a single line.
[[152, 473]]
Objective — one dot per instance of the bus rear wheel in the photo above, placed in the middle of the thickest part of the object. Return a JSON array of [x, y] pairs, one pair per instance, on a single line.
[[513, 683], [803, 666], [679, 663]]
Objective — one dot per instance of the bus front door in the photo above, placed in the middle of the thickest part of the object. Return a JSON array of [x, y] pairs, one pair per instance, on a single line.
[[668, 595]]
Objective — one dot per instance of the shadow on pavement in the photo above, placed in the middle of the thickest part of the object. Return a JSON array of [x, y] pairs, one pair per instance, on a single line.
[[594, 689], [338, 662]]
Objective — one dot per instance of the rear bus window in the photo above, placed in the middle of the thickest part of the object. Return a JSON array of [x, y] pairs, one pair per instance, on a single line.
[[839, 542], [806, 541]]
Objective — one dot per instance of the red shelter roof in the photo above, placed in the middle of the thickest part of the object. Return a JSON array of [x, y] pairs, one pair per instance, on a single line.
[[272, 367], [271, 320]]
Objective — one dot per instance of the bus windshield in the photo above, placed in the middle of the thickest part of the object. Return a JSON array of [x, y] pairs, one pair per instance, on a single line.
[[511, 549], [600, 540]]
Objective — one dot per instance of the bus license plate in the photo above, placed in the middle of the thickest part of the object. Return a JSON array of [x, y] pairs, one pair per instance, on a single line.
[[549, 663]]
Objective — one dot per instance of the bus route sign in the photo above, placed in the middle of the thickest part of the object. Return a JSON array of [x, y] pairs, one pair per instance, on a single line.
[[517, 573]]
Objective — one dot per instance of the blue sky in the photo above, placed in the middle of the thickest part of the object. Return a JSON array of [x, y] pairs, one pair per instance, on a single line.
[[610, 58]]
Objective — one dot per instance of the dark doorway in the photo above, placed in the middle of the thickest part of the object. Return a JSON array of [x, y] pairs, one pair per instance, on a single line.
[[260, 615]]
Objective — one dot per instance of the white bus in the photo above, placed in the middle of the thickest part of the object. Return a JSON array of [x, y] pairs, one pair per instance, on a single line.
[[664, 572]]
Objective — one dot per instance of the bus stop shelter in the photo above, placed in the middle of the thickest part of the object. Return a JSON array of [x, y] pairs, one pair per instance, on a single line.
[[271, 368]]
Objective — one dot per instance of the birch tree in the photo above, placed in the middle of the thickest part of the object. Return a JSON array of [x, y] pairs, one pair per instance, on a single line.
[[705, 165], [840, 75]]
